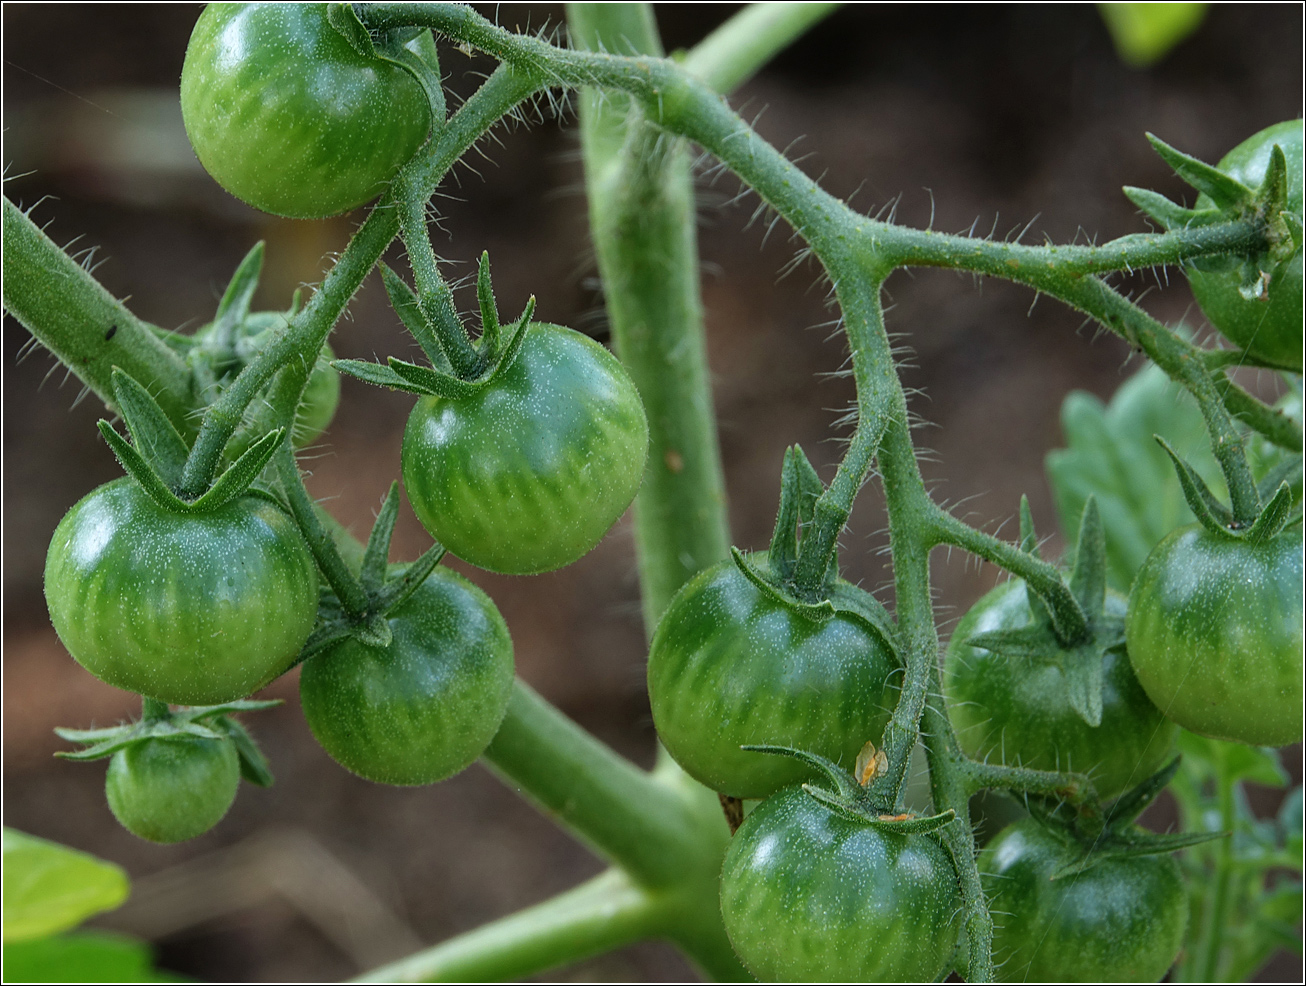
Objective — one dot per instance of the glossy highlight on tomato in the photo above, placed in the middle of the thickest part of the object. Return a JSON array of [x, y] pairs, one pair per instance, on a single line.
[[173, 789], [811, 896], [530, 472], [194, 609], [1271, 326], [732, 665], [1122, 920], [1215, 634], [287, 117], [425, 706], [1016, 710]]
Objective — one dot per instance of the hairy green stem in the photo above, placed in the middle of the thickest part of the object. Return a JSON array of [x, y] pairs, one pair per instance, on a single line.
[[1072, 788], [601, 914], [70, 313], [732, 54], [1215, 918], [1044, 578]]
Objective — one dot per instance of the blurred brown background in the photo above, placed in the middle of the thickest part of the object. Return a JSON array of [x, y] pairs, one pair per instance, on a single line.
[[996, 115]]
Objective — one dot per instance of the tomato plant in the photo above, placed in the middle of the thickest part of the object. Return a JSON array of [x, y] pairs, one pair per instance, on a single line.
[[170, 790], [196, 608], [810, 896], [425, 705], [1017, 709], [1262, 318], [529, 472], [1120, 920], [286, 116], [1215, 634], [212, 569]]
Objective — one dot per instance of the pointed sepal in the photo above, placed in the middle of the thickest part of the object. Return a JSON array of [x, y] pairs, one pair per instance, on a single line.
[[236, 479], [817, 612], [1088, 577], [1212, 514], [433, 382], [404, 301], [253, 765], [845, 786], [152, 432], [1082, 671], [236, 300], [141, 471], [1224, 191], [490, 328], [1273, 518], [799, 489], [377, 555], [1169, 215], [378, 375], [396, 591], [344, 19]]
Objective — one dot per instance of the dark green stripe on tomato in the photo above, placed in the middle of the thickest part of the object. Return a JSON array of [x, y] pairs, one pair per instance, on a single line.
[[425, 706], [730, 665], [528, 474], [194, 609]]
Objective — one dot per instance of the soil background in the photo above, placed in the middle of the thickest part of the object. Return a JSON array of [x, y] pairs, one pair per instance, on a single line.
[[1004, 117]]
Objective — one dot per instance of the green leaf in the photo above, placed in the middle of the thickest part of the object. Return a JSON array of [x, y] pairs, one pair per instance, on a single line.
[[1144, 33], [1111, 454], [83, 957], [152, 433], [50, 888]]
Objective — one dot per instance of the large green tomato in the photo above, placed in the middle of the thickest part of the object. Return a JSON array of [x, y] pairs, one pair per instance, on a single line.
[[1017, 710], [286, 116], [1271, 326], [810, 896], [1121, 921], [172, 789], [731, 665], [1215, 634], [425, 706], [194, 609], [530, 472]]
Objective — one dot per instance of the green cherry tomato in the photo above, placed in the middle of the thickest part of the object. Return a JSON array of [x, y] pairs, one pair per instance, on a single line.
[[811, 896], [1215, 634], [425, 706], [1121, 921], [1271, 326], [173, 789], [287, 117], [194, 609], [1017, 710], [530, 472], [730, 664]]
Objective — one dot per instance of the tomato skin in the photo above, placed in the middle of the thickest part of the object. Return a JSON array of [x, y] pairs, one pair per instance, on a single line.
[[1215, 634], [193, 609], [287, 117], [426, 706], [1017, 710], [529, 473], [171, 790], [1269, 327], [731, 665], [1123, 920], [809, 896]]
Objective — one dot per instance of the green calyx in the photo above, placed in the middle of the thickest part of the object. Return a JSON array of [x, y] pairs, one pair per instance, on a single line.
[[1266, 205], [773, 572], [1081, 659], [385, 590], [1280, 491], [157, 455], [211, 722], [493, 355], [1091, 836], [850, 796]]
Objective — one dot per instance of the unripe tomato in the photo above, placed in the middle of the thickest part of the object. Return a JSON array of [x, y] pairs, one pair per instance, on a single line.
[[811, 896], [286, 116], [194, 609], [425, 706], [1121, 921], [1016, 710], [530, 472], [1268, 327], [731, 665], [172, 789], [1215, 634]]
